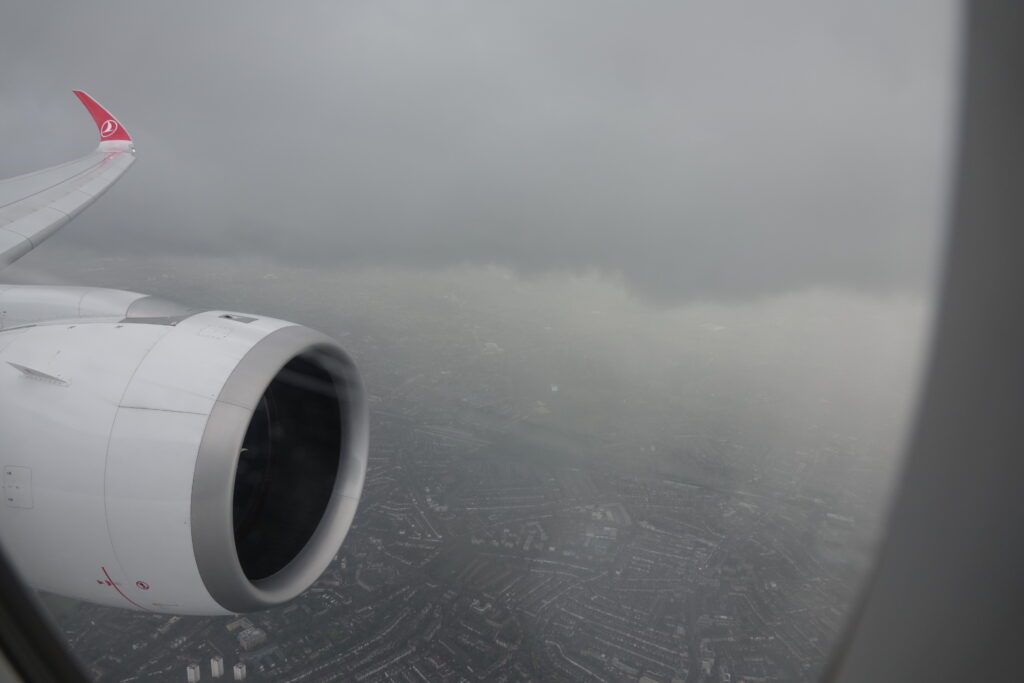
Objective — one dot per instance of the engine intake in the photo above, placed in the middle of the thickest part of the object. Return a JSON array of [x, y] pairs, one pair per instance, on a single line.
[[287, 467], [278, 482]]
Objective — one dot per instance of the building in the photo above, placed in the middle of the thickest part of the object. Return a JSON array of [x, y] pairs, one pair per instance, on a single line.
[[193, 673], [216, 666], [252, 637], [239, 625], [239, 671]]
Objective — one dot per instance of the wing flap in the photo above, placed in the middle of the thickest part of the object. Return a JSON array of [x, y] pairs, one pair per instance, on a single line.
[[12, 247], [33, 227], [69, 202]]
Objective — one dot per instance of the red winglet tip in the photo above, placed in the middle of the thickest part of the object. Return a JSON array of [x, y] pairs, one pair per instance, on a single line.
[[107, 125]]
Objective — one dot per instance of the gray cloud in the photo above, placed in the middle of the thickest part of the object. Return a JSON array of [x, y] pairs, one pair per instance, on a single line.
[[698, 152]]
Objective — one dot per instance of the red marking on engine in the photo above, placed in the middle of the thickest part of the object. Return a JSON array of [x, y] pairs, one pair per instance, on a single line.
[[112, 583], [142, 585]]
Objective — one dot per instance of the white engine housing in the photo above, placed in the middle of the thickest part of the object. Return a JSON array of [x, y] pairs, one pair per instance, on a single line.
[[204, 463]]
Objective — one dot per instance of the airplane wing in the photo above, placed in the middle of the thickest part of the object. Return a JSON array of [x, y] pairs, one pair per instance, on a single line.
[[36, 205]]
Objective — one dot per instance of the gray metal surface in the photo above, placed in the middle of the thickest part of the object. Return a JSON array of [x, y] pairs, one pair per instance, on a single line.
[[36, 205], [155, 307]]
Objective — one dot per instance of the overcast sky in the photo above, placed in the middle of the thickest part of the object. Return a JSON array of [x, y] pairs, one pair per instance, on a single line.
[[696, 151]]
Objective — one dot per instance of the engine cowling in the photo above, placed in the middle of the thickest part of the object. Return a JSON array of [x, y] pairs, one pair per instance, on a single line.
[[204, 463]]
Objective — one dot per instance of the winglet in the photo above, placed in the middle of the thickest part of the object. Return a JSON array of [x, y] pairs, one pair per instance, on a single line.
[[109, 127]]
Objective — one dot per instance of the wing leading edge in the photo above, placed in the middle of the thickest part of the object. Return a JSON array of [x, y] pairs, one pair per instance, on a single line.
[[36, 205]]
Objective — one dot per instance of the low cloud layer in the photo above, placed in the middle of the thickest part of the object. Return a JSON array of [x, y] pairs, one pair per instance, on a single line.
[[698, 152]]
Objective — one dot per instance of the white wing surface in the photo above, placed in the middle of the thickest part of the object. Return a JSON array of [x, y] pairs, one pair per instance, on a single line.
[[36, 205]]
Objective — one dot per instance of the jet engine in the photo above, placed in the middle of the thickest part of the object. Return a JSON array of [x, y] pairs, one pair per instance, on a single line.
[[172, 461]]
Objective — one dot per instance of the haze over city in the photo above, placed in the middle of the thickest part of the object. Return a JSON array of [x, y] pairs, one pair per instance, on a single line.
[[620, 282]]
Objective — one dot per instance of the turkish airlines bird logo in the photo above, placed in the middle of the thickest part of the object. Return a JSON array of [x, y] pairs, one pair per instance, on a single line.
[[108, 128]]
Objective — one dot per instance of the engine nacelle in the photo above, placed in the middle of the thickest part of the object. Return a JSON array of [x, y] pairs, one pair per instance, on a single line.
[[204, 463]]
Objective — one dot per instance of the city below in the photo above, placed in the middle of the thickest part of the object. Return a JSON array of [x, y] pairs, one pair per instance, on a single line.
[[465, 564], [535, 511]]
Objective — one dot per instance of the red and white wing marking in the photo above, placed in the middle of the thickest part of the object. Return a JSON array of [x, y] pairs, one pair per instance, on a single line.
[[36, 205], [109, 127]]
